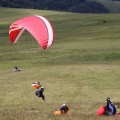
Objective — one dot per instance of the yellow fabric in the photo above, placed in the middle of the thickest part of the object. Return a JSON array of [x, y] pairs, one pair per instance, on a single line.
[[58, 112]]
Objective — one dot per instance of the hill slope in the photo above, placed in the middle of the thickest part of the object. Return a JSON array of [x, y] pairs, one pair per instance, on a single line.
[[81, 69]]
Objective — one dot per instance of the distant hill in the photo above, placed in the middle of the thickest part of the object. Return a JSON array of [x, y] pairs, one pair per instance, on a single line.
[[76, 6], [112, 5]]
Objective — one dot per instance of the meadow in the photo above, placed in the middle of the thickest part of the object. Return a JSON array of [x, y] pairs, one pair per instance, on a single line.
[[81, 69]]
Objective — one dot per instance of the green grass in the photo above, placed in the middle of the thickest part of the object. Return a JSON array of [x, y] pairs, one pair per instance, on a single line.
[[81, 68]]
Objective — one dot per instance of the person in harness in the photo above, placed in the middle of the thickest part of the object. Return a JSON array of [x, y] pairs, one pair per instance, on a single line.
[[64, 109], [39, 93], [108, 109]]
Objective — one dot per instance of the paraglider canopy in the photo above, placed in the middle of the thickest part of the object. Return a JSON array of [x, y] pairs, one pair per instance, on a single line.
[[38, 26]]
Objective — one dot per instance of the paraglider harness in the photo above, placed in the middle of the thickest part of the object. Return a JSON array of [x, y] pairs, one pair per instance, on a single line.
[[39, 93], [64, 109], [110, 109]]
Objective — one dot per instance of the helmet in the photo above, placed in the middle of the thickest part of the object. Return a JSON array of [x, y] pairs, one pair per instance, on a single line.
[[108, 99], [63, 105]]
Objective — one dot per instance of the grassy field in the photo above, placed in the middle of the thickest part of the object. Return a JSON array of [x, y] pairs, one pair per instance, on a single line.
[[81, 69]]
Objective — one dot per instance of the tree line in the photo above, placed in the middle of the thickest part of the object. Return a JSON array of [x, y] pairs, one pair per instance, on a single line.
[[76, 6]]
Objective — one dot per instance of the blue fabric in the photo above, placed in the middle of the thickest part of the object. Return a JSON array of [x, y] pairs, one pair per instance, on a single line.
[[112, 109]]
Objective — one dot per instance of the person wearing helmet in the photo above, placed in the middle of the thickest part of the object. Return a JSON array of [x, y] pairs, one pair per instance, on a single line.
[[39, 93], [110, 108], [64, 109]]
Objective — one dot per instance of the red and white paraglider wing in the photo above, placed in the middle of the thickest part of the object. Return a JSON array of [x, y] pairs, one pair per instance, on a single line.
[[38, 26], [15, 32]]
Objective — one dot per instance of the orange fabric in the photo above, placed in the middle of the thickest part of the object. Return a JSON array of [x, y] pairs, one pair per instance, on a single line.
[[68, 112], [58, 112], [36, 86]]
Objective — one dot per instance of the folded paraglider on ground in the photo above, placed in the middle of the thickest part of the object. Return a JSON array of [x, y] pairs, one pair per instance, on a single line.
[[64, 110]]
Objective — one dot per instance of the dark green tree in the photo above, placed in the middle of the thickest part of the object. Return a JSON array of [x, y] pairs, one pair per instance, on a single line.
[[89, 7]]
